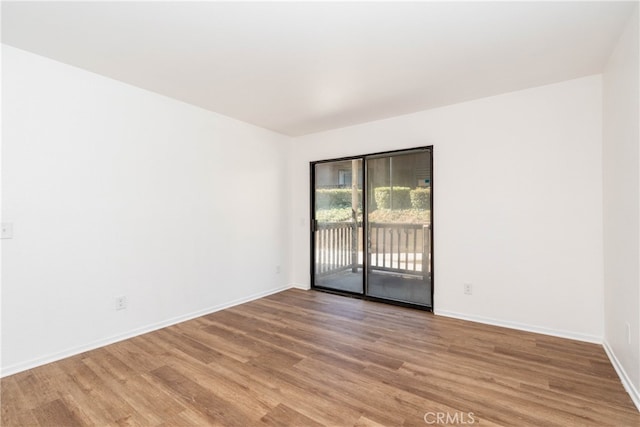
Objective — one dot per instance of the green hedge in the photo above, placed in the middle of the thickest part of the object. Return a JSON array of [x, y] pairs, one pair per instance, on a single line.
[[420, 198], [401, 198], [335, 198], [336, 215]]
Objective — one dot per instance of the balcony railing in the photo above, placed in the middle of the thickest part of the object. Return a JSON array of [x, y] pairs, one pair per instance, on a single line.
[[392, 247]]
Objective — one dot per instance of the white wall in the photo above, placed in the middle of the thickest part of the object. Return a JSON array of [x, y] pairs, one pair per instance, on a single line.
[[621, 161], [114, 190], [518, 203]]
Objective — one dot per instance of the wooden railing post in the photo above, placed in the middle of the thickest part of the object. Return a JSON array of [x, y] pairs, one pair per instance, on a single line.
[[355, 202], [426, 248], [354, 244]]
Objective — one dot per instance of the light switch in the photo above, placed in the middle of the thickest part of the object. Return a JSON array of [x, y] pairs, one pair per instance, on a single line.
[[7, 230]]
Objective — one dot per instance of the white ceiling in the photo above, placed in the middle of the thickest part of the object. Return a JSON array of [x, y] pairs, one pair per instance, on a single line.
[[299, 68]]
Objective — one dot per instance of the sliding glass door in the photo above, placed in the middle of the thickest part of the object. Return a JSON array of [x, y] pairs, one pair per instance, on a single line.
[[375, 243], [399, 227], [337, 235]]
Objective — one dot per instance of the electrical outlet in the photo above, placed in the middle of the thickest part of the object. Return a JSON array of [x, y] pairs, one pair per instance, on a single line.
[[121, 303], [467, 289], [7, 230], [277, 269]]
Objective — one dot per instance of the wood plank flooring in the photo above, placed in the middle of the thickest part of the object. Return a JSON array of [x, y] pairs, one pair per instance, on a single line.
[[304, 358]]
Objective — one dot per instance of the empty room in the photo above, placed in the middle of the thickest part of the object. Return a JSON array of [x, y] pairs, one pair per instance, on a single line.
[[320, 213]]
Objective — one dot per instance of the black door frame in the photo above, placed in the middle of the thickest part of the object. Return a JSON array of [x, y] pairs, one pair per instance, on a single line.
[[365, 259]]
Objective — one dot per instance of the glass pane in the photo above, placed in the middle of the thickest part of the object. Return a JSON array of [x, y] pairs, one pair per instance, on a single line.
[[399, 233], [338, 237]]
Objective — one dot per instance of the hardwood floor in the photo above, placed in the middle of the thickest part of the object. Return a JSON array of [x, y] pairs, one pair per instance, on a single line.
[[304, 358]]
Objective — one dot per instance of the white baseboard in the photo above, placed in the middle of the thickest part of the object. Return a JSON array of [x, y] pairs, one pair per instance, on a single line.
[[522, 326], [624, 378], [299, 286], [39, 361]]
